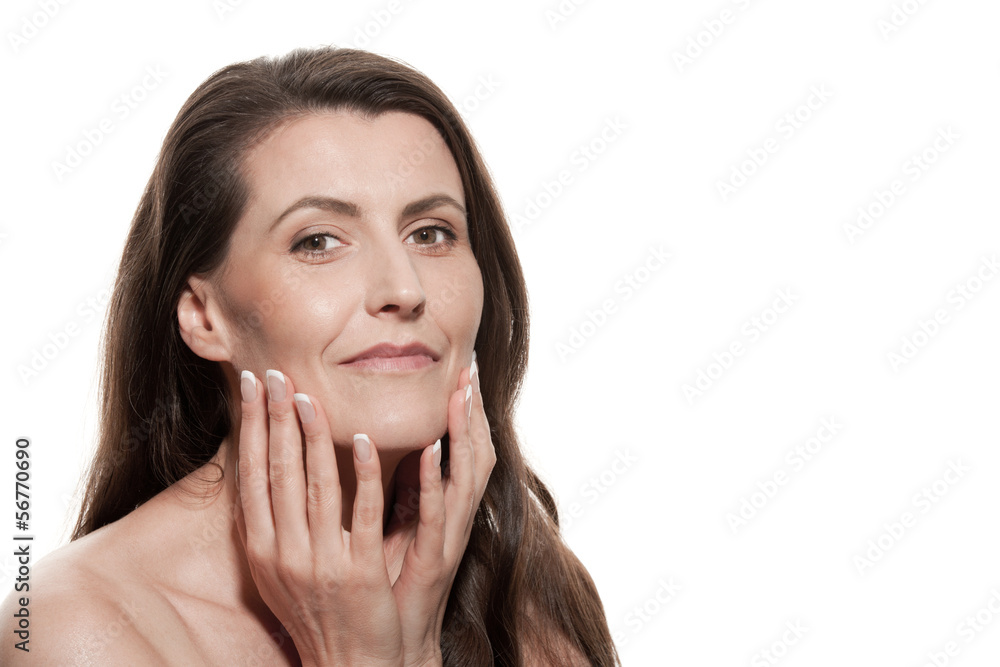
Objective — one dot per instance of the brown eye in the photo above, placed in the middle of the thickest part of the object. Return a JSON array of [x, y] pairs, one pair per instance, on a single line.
[[435, 237], [319, 242], [426, 236]]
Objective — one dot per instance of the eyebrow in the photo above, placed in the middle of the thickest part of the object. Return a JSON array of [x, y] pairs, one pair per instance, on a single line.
[[352, 210]]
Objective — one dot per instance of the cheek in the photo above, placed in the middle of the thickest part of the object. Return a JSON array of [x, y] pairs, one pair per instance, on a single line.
[[276, 314], [315, 317], [455, 301]]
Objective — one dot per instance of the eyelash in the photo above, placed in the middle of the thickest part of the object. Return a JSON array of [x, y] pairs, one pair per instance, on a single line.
[[449, 241]]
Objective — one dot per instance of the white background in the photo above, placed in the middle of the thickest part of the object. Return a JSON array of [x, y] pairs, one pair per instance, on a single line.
[[659, 517]]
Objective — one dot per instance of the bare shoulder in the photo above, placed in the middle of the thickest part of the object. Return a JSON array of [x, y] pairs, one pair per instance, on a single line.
[[64, 621], [83, 605]]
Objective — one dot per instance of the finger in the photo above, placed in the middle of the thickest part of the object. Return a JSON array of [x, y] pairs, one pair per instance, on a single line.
[[459, 465], [323, 493], [474, 372], [479, 432], [254, 486], [366, 520], [286, 469], [460, 487], [429, 541]]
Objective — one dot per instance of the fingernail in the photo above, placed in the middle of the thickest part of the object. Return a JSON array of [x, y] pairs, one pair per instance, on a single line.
[[248, 386], [474, 373], [468, 400], [436, 452], [362, 447], [275, 386], [307, 412]]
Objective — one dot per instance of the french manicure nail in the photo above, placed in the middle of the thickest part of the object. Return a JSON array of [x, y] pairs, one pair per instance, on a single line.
[[436, 452], [474, 373], [307, 412], [468, 400], [362, 447], [248, 386], [275, 386]]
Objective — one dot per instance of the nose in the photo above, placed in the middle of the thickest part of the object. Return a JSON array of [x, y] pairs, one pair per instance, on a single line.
[[394, 285]]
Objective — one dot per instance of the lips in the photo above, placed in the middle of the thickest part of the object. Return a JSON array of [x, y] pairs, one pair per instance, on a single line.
[[389, 350]]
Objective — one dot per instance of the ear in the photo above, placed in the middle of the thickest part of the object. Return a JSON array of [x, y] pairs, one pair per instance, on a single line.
[[201, 324]]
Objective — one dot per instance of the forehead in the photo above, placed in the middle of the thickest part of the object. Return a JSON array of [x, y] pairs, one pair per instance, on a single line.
[[386, 160]]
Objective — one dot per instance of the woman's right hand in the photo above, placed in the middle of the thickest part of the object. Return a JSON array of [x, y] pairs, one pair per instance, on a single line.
[[327, 586]]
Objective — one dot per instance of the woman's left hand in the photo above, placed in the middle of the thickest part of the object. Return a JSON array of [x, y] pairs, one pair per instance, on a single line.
[[447, 509]]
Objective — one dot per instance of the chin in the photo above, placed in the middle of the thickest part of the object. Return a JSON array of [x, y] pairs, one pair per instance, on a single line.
[[392, 430]]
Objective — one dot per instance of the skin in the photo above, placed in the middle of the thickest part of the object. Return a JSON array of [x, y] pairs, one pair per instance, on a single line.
[[215, 571], [280, 304]]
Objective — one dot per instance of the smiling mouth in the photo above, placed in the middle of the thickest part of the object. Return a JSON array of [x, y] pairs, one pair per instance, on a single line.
[[404, 363]]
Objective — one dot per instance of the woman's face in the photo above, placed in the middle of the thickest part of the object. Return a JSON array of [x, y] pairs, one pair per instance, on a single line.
[[355, 234]]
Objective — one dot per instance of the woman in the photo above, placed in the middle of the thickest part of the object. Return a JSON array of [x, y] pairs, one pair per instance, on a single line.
[[299, 459]]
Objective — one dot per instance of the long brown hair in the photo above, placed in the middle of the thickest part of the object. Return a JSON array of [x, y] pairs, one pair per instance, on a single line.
[[165, 411]]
